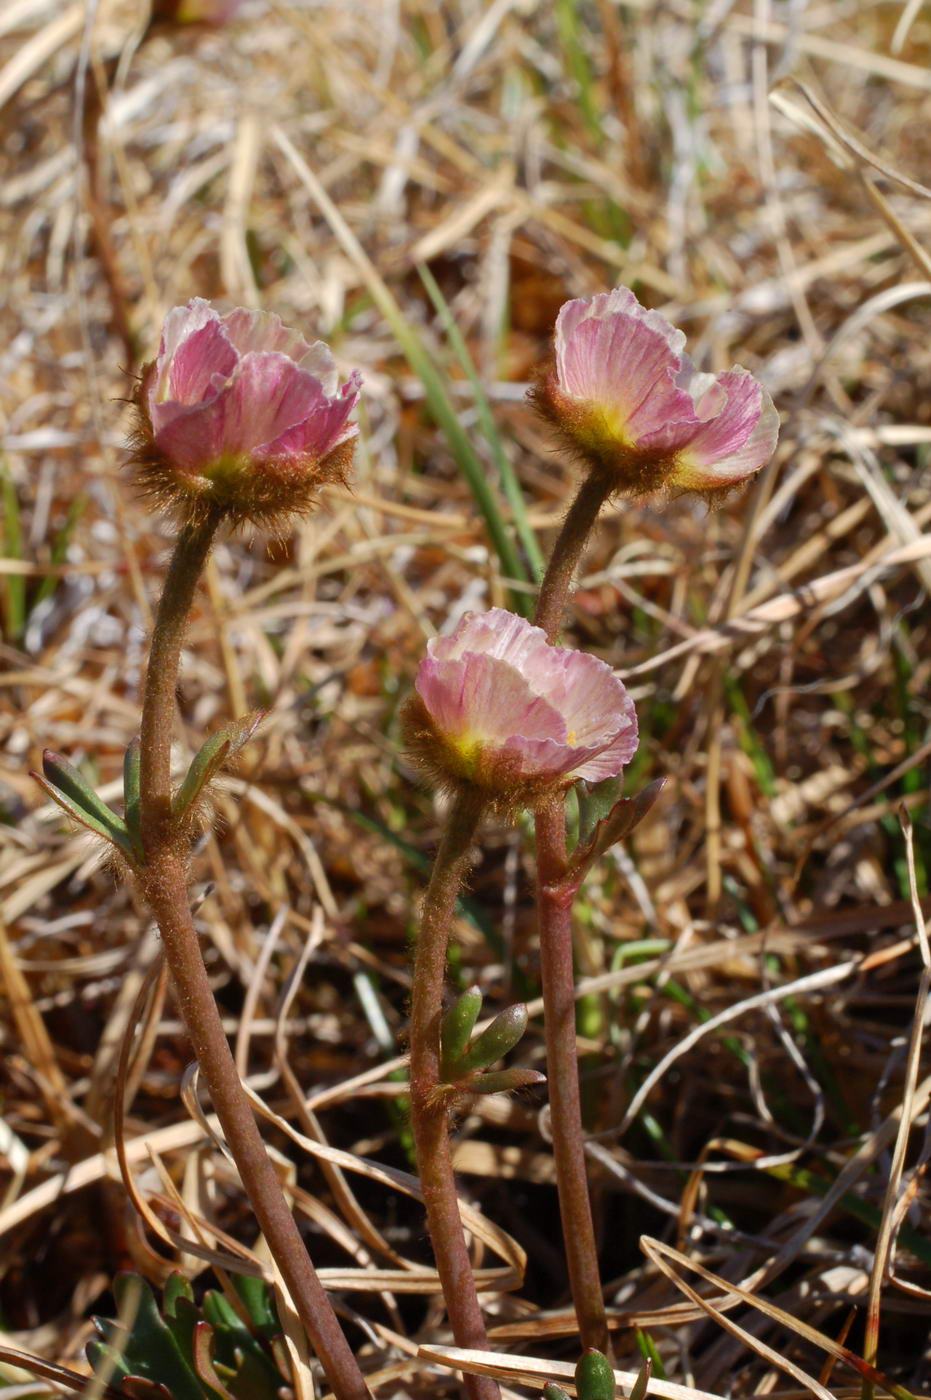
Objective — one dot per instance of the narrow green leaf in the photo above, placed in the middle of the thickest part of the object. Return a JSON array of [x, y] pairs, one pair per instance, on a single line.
[[210, 759], [458, 1025], [421, 363], [131, 765], [58, 553], [504, 1081], [14, 585], [65, 785], [203, 1361], [639, 1390], [257, 1296], [494, 1042], [509, 482], [176, 1286]]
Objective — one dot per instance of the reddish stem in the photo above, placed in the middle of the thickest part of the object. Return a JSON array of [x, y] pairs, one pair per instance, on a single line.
[[163, 880], [429, 1115], [554, 903], [556, 966]]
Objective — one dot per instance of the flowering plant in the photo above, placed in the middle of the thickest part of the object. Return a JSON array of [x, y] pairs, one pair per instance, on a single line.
[[239, 413], [625, 397], [499, 708]]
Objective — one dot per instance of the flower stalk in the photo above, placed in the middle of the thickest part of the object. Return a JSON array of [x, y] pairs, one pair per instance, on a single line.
[[163, 878], [557, 976], [429, 1112]]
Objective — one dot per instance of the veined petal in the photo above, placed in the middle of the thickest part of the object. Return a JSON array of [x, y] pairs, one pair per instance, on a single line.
[[482, 699], [324, 428], [261, 332], [737, 442], [183, 324], [626, 369]]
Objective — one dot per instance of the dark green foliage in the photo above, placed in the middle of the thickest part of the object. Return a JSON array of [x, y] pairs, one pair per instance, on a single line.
[[186, 1351]]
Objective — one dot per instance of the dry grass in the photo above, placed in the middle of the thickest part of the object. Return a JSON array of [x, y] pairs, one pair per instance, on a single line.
[[751, 961]]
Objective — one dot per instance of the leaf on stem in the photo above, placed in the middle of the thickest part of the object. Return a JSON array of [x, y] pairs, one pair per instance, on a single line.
[[462, 1062], [594, 1377], [457, 1027], [131, 768], [620, 821], [69, 789], [209, 760], [495, 1041], [504, 1081]]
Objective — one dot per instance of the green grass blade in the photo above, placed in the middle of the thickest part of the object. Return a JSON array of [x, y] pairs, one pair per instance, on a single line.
[[420, 362], [509, 482], [14, 585]]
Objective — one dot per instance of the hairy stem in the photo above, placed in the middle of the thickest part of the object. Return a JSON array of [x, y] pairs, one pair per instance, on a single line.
[[429, 1111], [163, 880], [567, 551], [556, 970]]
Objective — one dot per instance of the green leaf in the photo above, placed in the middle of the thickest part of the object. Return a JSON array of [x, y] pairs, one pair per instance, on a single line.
[[176, 1286], [509, 482], [14, 585], [494, 1042], [595, 802], [66, 786], [260, 1306], [131, 766], [621, 820], [458, 1025], [594, 1377], [203, 1361], [643, 1379], [552, 1391], [141, 1344], [504, 1081], [210, 759]]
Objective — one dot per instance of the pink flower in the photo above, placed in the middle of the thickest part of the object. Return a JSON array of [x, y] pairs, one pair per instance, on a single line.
[[624, 395], [500, 708], [242, 414]]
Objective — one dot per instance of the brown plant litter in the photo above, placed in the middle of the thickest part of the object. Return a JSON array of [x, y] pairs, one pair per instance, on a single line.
[[753, 981]]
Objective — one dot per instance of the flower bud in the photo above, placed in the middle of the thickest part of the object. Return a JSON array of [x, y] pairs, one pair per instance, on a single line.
[[240, 416], [500, 709], [625, 398]]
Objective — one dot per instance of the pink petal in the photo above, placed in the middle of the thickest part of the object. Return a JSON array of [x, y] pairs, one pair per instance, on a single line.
[[201, 366], [180, 323], [620, 301], [736, 443], [266, 396], [610, 761], [628, 369], [482, 698], [498, 633], [263, 331], [325, 427]]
